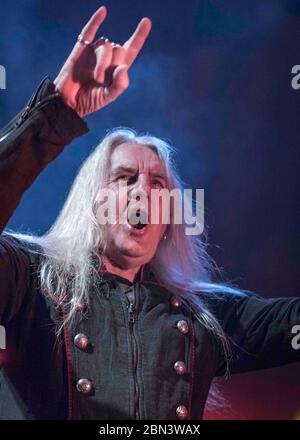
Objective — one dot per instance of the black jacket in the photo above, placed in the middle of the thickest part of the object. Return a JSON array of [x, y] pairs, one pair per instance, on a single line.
[[138, 352]]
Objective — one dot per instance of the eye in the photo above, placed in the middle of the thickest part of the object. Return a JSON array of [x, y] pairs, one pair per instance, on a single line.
[[122, 177], [126, 178], [158, 184]]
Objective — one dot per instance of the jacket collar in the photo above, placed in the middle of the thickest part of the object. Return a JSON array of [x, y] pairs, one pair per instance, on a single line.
[[144, 274]]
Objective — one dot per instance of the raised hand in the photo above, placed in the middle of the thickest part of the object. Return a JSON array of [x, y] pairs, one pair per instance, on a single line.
[[96, 73]]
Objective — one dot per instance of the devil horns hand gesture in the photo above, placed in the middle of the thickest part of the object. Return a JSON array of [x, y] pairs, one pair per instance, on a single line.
[[96, 73]]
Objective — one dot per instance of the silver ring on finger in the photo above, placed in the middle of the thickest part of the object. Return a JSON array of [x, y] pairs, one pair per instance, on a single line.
[[81, 40], [106, 40]]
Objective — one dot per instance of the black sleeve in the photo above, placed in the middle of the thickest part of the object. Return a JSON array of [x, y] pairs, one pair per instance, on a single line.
[[260, 330], [33, 139]]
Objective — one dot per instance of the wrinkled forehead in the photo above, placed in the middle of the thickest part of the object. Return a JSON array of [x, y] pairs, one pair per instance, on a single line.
[[136, 156]]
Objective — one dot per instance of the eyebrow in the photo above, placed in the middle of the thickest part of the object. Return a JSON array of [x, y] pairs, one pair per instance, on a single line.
[[123, 169], [133, 171]]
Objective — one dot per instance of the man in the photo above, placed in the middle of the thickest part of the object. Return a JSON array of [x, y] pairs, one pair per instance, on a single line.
[[121, 320]]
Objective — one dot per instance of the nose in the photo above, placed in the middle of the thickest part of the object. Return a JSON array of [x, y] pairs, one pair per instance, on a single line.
[[141, 188]]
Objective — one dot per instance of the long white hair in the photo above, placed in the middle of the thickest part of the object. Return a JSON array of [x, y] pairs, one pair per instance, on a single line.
[[75, 242]]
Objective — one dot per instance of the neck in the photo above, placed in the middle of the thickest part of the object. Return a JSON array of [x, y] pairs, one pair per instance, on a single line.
[[129, 273]]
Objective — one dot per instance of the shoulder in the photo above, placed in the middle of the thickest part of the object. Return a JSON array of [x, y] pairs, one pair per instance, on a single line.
[[224, 301], [13, 256], [12, 247]]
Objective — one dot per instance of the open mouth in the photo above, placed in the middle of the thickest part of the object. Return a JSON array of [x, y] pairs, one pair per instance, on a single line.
[[138, 220]]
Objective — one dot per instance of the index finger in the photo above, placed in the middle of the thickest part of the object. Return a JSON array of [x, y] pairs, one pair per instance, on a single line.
[[88, 32], [137, 40], [90, 29]]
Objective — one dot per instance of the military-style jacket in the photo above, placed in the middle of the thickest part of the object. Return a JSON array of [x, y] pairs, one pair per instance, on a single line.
[[137, 352]]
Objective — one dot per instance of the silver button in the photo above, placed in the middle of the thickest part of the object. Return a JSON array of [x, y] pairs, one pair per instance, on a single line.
[[176, 301], [81, 341], [181, 412], [85, 386], [182, 326], [180, 367]]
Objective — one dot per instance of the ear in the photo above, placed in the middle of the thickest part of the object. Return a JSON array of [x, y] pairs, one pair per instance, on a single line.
[[165, 233]]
